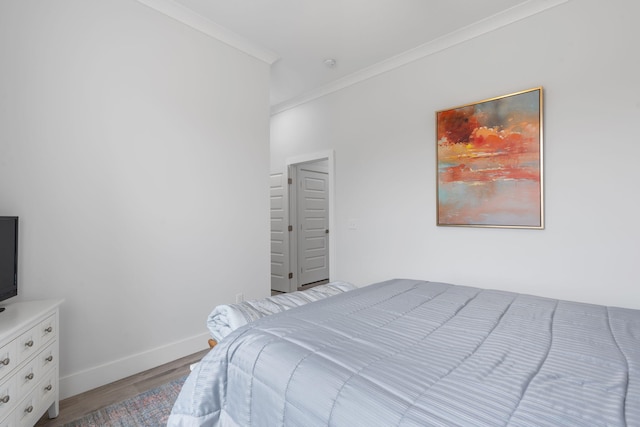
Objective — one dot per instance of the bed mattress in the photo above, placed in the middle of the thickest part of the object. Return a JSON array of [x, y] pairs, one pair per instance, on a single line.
[[415, 353]]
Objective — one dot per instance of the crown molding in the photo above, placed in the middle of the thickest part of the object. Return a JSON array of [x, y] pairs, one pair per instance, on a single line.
[[469, 32], [198, 22]]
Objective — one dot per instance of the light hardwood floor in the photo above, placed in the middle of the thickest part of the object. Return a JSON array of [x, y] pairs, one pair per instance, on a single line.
[[77, 406]]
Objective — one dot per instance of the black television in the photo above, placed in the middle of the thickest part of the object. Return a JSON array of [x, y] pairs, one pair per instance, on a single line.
[[8, 257]]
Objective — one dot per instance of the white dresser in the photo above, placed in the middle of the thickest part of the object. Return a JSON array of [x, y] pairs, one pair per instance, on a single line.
[[28, 362]]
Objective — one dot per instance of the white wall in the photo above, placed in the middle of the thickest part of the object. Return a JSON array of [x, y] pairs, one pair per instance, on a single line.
[[135, 151], [584, 54]]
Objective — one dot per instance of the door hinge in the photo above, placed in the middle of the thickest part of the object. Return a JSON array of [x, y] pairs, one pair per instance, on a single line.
[[291, 228], [289, 181], [290, 275]]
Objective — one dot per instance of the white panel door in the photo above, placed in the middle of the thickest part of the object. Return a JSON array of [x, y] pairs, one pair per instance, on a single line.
[[279, 232], [313, 226]]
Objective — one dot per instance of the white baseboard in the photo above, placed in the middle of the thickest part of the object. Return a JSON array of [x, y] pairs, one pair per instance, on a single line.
[[100, 375]]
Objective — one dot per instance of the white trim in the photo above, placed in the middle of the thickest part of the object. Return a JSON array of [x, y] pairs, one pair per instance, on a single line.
[[469, 32], [106, 373], [314, 157], [196, 21]]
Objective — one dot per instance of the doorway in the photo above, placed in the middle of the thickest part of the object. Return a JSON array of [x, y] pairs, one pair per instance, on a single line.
[[302, 249]]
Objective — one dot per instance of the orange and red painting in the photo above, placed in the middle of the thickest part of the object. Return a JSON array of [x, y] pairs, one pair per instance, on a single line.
[[490, 162]]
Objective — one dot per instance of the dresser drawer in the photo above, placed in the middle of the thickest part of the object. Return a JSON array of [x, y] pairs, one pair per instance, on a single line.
[[8, 396], [26, 378], [8, 359], [48, 330], [26, 412], [28, 343], [48, 359], [48, 391]]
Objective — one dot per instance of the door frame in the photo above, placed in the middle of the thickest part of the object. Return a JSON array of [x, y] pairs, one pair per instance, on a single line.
[[290, 165]]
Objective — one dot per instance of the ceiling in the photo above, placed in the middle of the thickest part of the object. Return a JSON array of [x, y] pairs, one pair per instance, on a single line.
[[357, 34]]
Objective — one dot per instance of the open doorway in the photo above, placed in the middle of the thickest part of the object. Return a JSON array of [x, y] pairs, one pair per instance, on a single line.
[[301, 223]]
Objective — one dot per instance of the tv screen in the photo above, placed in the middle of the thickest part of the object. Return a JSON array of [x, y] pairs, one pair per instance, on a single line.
[[8, 257]]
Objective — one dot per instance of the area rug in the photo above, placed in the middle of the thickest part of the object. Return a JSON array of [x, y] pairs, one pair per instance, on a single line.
[[148, 409]]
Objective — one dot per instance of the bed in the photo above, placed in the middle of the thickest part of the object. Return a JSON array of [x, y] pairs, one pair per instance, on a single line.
[[414, 353]]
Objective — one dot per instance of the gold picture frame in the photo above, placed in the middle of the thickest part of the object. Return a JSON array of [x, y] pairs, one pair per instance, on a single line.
[[489, 157]]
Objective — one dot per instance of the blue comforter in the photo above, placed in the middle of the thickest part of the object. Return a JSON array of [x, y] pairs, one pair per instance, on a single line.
[[415, 353]]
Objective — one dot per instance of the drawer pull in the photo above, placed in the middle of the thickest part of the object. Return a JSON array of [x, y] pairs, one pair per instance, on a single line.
[[29, 377], [5, 399], [48, 388], [29, 343], [49, 330], [29, 409], [49, 358], [6, 361]]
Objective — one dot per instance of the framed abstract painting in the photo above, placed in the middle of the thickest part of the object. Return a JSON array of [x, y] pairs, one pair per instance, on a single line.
[[490, 163]]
